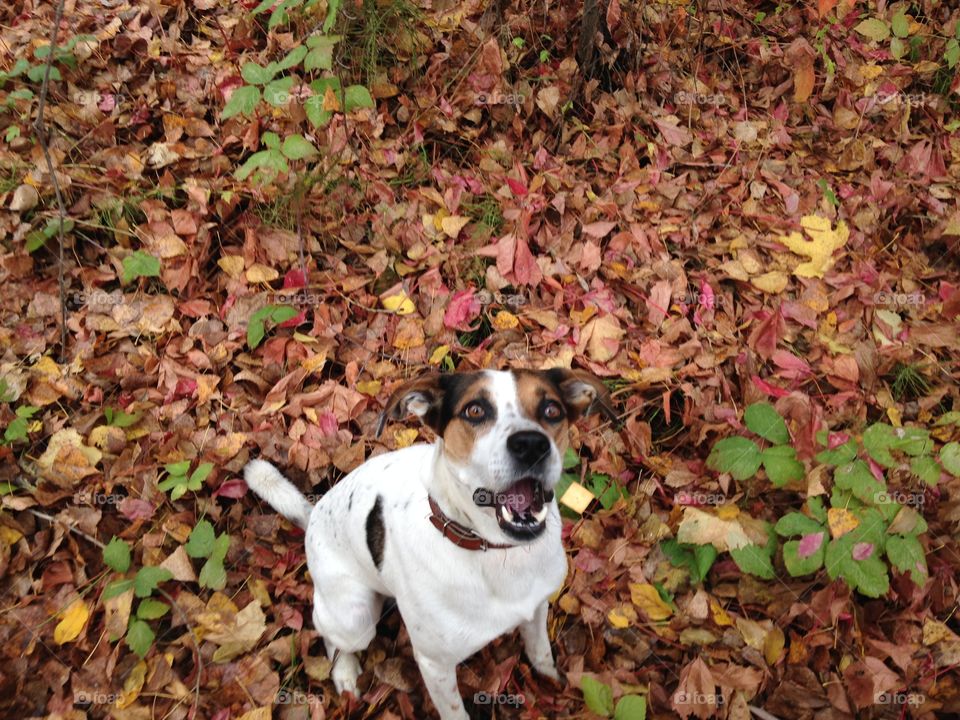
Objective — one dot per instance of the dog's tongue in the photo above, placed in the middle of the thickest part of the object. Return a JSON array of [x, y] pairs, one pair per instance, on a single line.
[[520, 496]]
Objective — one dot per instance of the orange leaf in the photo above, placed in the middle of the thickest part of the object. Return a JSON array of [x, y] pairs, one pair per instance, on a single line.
[[803, 80]]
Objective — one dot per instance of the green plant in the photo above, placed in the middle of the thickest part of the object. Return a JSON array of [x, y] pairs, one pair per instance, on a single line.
[[178, 481], [205, 543], [19, 427], [601, 486], [38, 238], [274, 313], [697, 559], [140, 264], [865, 523], [139, 635], [908, 382], [119, 418], [598, 697]]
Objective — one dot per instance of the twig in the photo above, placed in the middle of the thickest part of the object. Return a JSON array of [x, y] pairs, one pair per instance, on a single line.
[[40, 131], [196, 646], [52, 520]]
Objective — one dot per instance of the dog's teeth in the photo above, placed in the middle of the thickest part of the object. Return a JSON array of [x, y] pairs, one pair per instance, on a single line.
[[507, 515], [540, 516]]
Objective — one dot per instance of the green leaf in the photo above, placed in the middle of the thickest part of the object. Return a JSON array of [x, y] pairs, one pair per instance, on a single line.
[[631, 707], [761, 419], [257, 75], [840, 454], [150, 609], [297, 147], [877, 440], [119, 418], [242, 101], [754, 560], [293, 58], [213, 575], [313, 108], [912, 441], [857, 478], [36, 73], [320, 56], [900, 25], [703, 559], [874, 29], [781, 464], [795, 523], [869, 577], [952, 417], [148, 578], [262, 7], [200, 474], [181, 467], [898, 48], [906, 554], [950, 458], [738, 456], [115, 588], [797, 565], [597, 695], [262, 159], [274, 313], [200, 542], [333, 7], [277, 93], [356, 96], [139, 637], [926, 468], [271, 140], [117, 555], [220, 547], [140, 264]]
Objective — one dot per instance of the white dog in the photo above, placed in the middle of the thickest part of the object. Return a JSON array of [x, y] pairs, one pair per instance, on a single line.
[[464, 533]]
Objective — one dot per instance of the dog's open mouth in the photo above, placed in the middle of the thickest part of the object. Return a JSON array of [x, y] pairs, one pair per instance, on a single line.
[[522, 508]]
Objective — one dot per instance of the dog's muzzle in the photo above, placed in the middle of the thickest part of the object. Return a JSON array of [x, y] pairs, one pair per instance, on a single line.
[[521, 508]]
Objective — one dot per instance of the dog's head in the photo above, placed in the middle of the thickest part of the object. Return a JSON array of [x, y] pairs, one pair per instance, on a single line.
[[502, 435]]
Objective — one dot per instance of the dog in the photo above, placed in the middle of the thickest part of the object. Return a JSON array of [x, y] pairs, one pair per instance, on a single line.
[[463, 533]]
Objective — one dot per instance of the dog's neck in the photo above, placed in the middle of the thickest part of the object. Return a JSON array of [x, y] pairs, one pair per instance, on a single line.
[[455, 499]]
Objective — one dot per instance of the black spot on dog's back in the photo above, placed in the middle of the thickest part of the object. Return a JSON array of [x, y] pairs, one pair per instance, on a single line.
[[376, 533]]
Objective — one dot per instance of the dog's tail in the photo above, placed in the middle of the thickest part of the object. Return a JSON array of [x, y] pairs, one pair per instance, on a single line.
[[267, 482]]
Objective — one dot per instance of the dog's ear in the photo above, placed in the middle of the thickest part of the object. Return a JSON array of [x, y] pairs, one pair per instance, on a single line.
[[582, 392], [422, 396]]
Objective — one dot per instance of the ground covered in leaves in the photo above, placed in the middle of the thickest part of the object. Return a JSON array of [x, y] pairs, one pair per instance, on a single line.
[[742, 202]]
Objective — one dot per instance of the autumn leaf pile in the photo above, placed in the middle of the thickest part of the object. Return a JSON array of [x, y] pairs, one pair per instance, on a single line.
[[743, 202]]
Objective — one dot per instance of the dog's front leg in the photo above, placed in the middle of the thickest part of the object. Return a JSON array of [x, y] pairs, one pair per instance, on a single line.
[[537, 643], [440, 677]]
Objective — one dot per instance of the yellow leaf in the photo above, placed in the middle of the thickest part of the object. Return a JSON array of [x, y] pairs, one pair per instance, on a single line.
[[330, 101], [314, 363], [369, 387], [773, 645], [841, 521], [132, 685], [70, 626], [720, 616], [439, 354], [505, 320], [261, 274], [400, 303], [702, 528], [46, 367], [453, 224], [824, 240], [405, 437], [260, 713], [621, 616], [727, 512], [601, 338], [772, 283], [9, 536], [576, 497], [646, 597]]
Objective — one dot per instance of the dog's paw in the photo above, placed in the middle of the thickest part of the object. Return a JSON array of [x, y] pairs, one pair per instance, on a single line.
[[345, 673]]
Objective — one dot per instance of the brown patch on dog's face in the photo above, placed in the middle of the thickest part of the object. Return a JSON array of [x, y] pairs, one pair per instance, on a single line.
[[541, 402], [469, 413]]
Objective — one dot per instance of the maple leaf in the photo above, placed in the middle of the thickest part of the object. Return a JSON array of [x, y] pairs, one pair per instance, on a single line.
[[824, 240]]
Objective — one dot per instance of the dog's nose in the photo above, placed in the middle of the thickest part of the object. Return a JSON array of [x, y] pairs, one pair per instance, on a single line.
[[528, 446]]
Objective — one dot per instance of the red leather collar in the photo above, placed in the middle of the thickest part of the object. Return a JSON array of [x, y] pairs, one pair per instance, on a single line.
[[458, 534]]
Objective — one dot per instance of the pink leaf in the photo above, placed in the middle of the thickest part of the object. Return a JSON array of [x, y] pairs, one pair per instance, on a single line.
[[136, 509], [835, 440], [861, 551], [768, 388], [517, 187], [809, 544], [232, 489], [464, 307], [294, 279]]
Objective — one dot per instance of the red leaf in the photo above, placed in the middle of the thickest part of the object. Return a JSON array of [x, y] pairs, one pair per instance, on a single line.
[[464, 307], [294, 279], [518, 188], [232, 489], [136, 509]]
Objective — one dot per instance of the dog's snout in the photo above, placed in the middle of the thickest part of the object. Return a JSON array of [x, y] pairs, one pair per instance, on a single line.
[[528, 446]]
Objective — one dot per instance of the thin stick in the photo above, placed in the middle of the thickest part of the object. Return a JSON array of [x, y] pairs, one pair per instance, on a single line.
[[40, 131]]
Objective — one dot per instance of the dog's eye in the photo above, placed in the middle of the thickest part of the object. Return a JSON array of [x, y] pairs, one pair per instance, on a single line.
[[474, 411], [552, 411]]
